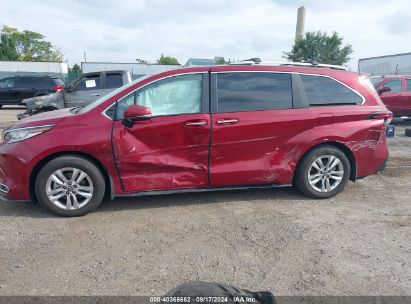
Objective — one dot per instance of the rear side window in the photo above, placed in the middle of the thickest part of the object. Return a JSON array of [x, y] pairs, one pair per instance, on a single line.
[[408, 85], [323, 91], [247, 91], [394, 84], [58, 81], [113, 80]]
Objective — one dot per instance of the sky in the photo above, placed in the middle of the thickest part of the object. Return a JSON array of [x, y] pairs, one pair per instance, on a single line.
[[123, 30]]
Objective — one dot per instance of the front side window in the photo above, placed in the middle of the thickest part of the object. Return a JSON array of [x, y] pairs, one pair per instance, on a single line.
[[394, 84], [6, 83], [322, 91], [408, 85], [170, 96], [251, 91], [90, 82]]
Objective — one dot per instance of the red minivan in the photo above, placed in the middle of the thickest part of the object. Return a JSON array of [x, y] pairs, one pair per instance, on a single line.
[[201, 129], [395, 93]]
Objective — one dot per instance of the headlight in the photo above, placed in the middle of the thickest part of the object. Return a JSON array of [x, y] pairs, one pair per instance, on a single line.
[[15, 135]]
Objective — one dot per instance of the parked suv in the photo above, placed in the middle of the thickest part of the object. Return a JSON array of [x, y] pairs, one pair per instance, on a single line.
[[80, 92], [14, 89], [395, 92], [201, 129]]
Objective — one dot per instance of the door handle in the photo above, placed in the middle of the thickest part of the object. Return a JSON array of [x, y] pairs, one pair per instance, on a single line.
[[227, 121], [195, 123], [95, 94]]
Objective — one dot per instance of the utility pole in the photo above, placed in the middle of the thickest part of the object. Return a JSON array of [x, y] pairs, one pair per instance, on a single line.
[[85, 57], [299, 30]]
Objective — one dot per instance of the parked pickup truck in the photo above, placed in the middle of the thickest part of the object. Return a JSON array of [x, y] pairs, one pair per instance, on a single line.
[[395, 92], [80, 92]]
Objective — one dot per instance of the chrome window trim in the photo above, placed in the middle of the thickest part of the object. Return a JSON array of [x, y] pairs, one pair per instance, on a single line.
[[132, 92], [298, 73]]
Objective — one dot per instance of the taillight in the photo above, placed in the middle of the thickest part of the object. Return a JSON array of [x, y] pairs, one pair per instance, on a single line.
[[58, 88]]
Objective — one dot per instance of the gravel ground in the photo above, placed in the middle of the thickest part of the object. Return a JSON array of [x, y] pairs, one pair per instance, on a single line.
[[357, 243]]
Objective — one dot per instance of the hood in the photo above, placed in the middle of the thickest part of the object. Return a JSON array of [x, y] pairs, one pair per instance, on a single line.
[[55, 100], [46, 118]]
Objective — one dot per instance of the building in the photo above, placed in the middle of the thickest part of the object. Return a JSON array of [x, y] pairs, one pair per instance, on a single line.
[[33, 68], [136, 69], [202, 61], [397, 64]]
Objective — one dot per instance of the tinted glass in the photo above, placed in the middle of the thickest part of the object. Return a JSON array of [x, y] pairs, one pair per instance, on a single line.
[[394, 84], [6, 83], [171, 96], [113, 80], [408, 85], [327, 91], [58, 81], [253, 91], [90, 82]]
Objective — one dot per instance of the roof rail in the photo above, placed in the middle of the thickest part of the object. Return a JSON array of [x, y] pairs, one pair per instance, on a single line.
[[257, 61]]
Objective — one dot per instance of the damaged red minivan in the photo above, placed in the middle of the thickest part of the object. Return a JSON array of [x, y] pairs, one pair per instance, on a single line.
[[200, 129]]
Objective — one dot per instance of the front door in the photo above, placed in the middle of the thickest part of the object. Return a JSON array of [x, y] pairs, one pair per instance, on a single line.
[[393, 99], [407, 98], [170, 150], [6, 91]]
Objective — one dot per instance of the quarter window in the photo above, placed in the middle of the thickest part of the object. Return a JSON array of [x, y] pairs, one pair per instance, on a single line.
[[394, 84], [170, 96], [322, 91]]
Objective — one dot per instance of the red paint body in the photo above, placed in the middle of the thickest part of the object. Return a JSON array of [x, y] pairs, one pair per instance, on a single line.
[[399, 103], [169, 152]]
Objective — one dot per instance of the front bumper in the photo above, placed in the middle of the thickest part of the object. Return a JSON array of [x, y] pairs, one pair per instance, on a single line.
[[5, 199], [15, 168]]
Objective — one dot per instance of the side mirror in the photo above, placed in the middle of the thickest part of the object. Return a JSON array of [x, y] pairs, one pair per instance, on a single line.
[[384, 89], [135, 113]]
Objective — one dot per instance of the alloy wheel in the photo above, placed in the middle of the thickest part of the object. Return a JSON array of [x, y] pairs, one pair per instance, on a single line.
[[69, 188]]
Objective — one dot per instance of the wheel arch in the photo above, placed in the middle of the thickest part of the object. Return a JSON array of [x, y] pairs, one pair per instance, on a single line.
[[339, 145], [107, 178]]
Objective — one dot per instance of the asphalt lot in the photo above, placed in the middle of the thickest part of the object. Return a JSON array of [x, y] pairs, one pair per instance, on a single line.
[[357, 243]]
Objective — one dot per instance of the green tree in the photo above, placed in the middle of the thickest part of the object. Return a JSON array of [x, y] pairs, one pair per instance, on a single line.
[[75, 69], [167, 60], [321, 48], [142, 61], [30, 46], [8, 48]]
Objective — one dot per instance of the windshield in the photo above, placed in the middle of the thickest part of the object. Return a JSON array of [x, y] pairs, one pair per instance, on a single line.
[[111, 94]]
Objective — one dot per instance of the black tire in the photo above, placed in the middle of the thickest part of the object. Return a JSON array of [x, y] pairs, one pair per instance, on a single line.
[[75, 162], [408, 132], [301, 181]]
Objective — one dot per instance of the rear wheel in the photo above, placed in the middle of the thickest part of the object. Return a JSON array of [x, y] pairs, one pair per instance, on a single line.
[[323, 172], [408, 132], [70, 186]]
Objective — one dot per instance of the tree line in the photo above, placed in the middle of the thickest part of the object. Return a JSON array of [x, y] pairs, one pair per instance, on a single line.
[[26, 45]]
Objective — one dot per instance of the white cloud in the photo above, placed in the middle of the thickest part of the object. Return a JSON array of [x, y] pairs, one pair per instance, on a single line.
[[122, 31]]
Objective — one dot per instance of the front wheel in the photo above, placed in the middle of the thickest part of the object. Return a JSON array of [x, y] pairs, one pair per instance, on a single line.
[[70, 186], [323, 172]]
